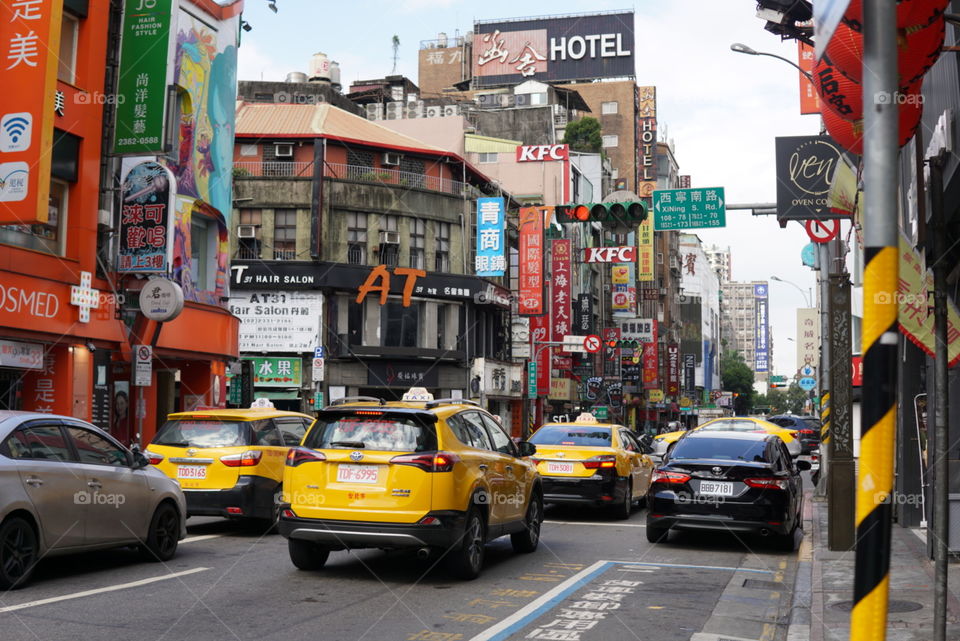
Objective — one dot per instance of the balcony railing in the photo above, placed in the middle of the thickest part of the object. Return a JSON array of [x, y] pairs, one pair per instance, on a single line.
[[284, 254], [247, 253], [359, 173], [272, 169]]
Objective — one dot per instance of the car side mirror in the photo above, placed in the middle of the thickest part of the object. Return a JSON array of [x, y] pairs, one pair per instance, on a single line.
[[526, 448], [140, 461], [803, 466], [646, 443]]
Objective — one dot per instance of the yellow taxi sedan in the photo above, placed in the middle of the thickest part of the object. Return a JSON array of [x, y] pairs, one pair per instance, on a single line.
[[591, 463], [662, 442], [229, 462]]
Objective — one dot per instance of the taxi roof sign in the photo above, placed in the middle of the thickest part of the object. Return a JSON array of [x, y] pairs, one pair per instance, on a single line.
[[261, 403], [586, 417], [417, 394]]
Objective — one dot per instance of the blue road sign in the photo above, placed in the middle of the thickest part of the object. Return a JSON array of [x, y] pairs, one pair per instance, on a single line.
[[807, 383]]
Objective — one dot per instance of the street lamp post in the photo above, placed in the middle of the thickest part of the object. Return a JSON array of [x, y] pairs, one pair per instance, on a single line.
[[742, 48], [806, 297]]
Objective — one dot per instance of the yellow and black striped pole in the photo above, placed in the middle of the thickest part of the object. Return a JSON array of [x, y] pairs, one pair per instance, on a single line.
[[824, 421], [874, 509]]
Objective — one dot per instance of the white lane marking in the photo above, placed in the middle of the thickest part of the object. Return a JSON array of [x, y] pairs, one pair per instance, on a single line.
[[112, 588], [202, 537], [592, 523]]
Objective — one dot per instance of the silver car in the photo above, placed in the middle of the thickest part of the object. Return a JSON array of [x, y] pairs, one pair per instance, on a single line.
[[68, 486]]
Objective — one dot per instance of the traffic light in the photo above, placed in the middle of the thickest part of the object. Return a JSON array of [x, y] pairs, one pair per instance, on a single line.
[[617, 343], [778, 385], [624, 214]]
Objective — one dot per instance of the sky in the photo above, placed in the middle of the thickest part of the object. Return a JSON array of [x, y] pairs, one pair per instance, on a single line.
[[721, 110]]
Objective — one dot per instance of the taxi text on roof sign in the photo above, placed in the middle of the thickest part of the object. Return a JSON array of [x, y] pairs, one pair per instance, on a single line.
[[417, 394]]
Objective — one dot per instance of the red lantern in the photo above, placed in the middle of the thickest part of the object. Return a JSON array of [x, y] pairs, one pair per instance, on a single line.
[[909, 12], [837, 92], [850, 133], [845, 50]]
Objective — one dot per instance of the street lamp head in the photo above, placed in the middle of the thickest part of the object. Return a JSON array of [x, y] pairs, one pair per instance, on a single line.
[[776, 278], [742, 48]]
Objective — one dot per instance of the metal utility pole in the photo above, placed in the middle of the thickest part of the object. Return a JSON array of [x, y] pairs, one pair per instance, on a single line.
[[823, 260], [871, 587], [940, 420]]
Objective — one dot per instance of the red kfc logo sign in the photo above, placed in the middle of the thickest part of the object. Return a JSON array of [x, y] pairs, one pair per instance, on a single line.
[[610, 254], [540, 153]]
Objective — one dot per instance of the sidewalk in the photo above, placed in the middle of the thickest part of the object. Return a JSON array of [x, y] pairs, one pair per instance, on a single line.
[[824, 586]]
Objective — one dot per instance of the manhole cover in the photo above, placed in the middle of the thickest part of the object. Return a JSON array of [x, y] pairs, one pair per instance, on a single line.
[[762, 585], [893, 606]]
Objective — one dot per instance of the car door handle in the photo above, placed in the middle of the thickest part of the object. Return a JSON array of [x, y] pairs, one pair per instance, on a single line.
[[94, 483], [34, 482], [509, 468], [483, 468]]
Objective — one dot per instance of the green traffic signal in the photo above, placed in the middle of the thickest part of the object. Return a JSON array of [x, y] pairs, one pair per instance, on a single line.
[[621, 214]]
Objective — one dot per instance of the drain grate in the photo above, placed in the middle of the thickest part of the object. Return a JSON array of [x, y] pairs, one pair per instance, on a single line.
[[762, 585], [893, 606]]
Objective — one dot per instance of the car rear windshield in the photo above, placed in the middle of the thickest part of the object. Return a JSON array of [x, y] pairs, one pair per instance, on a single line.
[[568, 435], [733, 426], [384, 432], [203, 433], [727, 449], [812, 424]]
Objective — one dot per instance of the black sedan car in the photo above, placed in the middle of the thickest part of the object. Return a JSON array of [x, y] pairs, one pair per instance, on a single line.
[[807, 429], [729, 481]]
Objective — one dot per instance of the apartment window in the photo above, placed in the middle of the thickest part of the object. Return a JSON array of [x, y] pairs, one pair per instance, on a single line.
[[399, 324], [442, 259], [486, 157], [249, 248], [418, 231], [249, 150], [359, 157], [285, 234], [389, 232], [611, 141], [356, 238], [441, 326], [608, 107], [46, 237], [203, 254], [67, 59]]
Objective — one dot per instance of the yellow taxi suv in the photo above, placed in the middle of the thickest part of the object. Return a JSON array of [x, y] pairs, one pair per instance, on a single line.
[[591, 463], [229, 462], [437, 476], [662, 442]]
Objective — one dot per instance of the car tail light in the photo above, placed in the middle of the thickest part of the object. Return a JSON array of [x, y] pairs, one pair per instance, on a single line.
[[663, 476], [536, 461], [298, 455], [807, 432], [153, 457], [766, 484], [235, 511], [244, 459], [428, 461], [288, 513], [600, 462], [430, 520]]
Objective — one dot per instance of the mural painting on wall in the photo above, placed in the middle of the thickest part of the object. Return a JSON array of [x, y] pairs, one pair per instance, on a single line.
[[184, 271], [206, 69]]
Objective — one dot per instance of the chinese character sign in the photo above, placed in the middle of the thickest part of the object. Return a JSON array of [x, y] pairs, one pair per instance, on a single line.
[[145, 239], [30, 38], [809, 99], [277, 372], [540, 332], [620, 290], [761, 361], [491, 221], [560, 277], [808, 337], [651, 361], [142, 82], [645, 251], [673, 369], [531, 262]]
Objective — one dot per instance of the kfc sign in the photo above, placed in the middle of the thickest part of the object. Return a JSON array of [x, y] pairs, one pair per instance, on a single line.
[[610, 254], [541, 153]]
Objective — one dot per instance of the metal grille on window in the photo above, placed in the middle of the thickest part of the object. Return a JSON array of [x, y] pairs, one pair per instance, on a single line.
[[442, 261], [285, 234], [356, 238], [412, 172], [418, 229], [360, 157]]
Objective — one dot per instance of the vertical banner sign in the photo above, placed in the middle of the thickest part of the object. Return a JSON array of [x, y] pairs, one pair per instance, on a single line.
[[651, 361], [809, 99], [645, 251], [30, 38], [808, 337], [491, 221], [762, 337], [142, 82], [560, 277], [620, 289], [673, 370], [646, 136], [689, 373], [584, 322], [146, 214], [540, 332], [531, 262]]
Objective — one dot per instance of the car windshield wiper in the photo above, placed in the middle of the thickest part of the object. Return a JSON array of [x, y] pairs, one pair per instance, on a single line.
[[354, 444]]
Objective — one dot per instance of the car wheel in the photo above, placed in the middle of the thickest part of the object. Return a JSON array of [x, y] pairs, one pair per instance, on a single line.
[[465, 559], [307, 555], [623, 509], [164, 534], [786, 542], [657, 534], [527, 539], [18, 553]]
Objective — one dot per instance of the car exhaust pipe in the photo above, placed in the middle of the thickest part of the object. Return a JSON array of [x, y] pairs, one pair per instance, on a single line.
[[423, 553], [764, 532]]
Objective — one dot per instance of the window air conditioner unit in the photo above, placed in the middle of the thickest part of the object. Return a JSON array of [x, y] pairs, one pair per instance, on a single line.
[[246, 231], [374, 111], [390, 158], [284, 150], [451, 110], [389, 238], [394, 111], [434, 111]]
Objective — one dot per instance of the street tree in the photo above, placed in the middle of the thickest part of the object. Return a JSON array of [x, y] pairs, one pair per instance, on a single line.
[[584, 135], [737, 378]]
